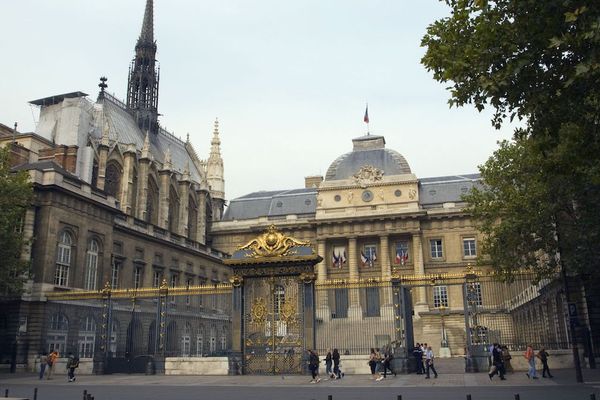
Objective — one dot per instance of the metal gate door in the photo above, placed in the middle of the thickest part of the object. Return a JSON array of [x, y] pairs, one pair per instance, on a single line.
[[273, 325]]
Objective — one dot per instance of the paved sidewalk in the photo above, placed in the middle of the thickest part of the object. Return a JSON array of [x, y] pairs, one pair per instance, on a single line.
[[561, 377]]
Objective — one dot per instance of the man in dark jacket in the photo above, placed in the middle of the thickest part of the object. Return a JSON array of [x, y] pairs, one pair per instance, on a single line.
[[497, 362], [418, 355]]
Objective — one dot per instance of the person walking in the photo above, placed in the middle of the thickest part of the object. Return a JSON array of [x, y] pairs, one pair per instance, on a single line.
[[497, 363], [336, 364], [418, 355], [328, 362], [543, 356], [531, 360], [506, 357], [43, 364], [387, 363], [52, 359], [372, 362], [429, 362], [72, 364], [313, 366]]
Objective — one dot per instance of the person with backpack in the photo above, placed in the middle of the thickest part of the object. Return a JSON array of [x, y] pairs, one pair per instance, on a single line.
[[51, 360], [313, 366], [43, 364], [72, 364], [328, 362], [387, 363], [529, 355]]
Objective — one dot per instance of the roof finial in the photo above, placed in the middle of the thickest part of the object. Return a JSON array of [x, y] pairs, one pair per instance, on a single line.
[[187, 137], [366, 119], [168, 164], [146, 147], [147, 34]]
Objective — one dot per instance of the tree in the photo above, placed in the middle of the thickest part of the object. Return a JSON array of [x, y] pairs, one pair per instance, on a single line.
[[15, 196], [538, 61]]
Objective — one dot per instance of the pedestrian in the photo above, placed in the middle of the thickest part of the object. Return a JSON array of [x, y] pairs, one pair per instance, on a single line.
[[72, 364], [313, 366], [418, 355], [336, 364], [387, 363], [497, 363], [43, 364], [531, 360], [328, 362], [543, 356], [52, 359], [429, 362], [372, 362], [506, 357], [378, 359]]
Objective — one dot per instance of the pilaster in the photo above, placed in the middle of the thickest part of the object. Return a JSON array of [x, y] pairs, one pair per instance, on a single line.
[[323, 311], [354, 310], [184, 194], [163, 202], [201, 223], [142, 194], [419, 269], [127, 180]]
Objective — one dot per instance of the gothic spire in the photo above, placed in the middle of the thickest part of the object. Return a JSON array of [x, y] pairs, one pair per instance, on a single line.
[[147, 34], [215, 143], [142, 85]]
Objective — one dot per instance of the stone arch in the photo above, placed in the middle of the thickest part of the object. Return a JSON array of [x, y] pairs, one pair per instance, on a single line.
[[112, 180], [192, 222], [173, 208], [152, 201]]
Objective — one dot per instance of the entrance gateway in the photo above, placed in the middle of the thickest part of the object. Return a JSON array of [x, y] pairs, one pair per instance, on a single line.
[[273, 310]]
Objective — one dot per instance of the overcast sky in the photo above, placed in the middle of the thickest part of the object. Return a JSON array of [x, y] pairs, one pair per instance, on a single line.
[[288, 80]]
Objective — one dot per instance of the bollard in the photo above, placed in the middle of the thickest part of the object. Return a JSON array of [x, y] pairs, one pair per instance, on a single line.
[[85, 394], [330, 397], [593, 396], [35, 394], [468, 397], [517, 396], [399, 397], [6, 393]]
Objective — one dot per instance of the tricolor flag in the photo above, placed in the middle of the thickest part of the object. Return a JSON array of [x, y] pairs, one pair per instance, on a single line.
[[335, 260], [363, 258], [401, 257], [368, 259], [366, 118]]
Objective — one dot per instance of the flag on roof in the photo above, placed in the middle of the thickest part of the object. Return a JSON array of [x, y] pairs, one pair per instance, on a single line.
[[366, 118]]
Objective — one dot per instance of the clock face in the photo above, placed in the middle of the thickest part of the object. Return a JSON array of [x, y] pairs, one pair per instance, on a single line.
[[367, 196]]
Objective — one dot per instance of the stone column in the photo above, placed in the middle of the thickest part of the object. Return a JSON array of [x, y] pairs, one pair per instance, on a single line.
[[387, 303], [184, 198], [323, 311], [163, 199], [354, 310], [127, 179], [419, 269], [201, 223], [142, 194]]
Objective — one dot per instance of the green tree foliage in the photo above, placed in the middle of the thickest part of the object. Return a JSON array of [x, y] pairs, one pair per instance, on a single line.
[[15, 196], [538, 61]]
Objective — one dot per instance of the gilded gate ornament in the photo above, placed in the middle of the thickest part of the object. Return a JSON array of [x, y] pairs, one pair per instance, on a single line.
[[259, 311], [272, 243]]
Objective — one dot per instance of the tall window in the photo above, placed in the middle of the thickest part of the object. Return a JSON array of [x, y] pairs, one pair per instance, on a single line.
[[469, 249], [156, 278], [57, 334], [440, 296], [278, 299], [114, 328], [114, 274], [63, 259], [137, 277], [200, 342], [87, 337], [91, 265], [173, 283], [223, 341], [436, 248], [213, 340], [372, 301], [188, 283], [112, 181], [369, 255], [474, 293], [401, 256], [186, 341], [341, 303]]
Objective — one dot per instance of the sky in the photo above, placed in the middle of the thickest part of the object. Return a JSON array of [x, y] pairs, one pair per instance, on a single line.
[[288, 80]]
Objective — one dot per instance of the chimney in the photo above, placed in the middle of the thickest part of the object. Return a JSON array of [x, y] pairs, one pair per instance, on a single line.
[[313, 181]]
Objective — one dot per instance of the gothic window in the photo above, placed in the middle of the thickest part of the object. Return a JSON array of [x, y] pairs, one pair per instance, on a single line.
[[91, 265], [133, 193], [95, 173], [152, 203], [173, 210], [63, 259], [87, 337], [57, 334], [192, 218], [112, 182]]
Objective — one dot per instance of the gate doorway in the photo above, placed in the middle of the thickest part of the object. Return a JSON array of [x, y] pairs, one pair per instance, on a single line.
[[273, 303]]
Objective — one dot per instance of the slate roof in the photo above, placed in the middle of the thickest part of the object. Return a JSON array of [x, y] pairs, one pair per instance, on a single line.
[[276, 203], [446, 189], [124, 129]]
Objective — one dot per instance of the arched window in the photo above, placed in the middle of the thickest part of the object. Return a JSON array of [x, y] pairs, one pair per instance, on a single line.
[[112, 182], [224, 340], [91, 265], [87, 337], [152, 203], [192, 218], [173, 210], [200, 342], [56, 338], [63, 259]]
